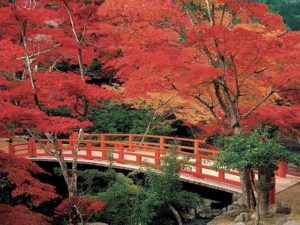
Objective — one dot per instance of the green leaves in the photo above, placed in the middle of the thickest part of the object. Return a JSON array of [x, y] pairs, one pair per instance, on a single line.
[[113, 118], [261, 149], [134, 204]]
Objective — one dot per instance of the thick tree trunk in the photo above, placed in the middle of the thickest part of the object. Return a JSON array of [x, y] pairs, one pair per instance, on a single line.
[[264, 186], [245, 175], [246, 186]]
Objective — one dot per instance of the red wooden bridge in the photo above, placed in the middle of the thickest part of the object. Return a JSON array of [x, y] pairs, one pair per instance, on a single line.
[[133, 151]]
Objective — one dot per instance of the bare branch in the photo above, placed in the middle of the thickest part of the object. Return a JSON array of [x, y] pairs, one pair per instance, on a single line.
[[263, 100], [41, 144], [236, 14]]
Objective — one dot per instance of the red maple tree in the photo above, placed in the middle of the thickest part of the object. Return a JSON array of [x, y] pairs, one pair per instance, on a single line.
[[20, 173], [33, 40], [232, 57]]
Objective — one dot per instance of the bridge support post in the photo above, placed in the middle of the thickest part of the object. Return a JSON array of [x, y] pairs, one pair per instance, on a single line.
[[282, 170], [32, 147]]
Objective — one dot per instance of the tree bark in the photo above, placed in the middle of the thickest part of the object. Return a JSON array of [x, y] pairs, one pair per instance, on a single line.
[[176, 214], [264, 186]]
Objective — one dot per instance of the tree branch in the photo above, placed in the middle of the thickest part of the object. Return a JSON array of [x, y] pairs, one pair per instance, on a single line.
[[263, 100]]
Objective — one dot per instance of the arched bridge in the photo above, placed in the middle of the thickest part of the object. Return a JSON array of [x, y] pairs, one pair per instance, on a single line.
[[134, 151]]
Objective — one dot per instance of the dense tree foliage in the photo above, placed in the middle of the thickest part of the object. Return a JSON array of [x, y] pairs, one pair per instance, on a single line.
[[261, 151], [161, 194], [20, 189], [232, 58], [288, 9], [235, 55], [114, 118]]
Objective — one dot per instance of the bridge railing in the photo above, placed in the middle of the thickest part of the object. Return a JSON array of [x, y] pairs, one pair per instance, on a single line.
[[138, 150]]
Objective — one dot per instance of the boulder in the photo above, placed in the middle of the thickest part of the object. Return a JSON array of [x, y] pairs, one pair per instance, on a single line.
[[239, 223], [188, 215], [243, 217], [283, 208], [281, 221], [233, 213], [292, 223]]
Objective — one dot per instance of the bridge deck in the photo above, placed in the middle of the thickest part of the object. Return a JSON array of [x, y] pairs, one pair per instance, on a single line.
[[131, 152], [184, 177]]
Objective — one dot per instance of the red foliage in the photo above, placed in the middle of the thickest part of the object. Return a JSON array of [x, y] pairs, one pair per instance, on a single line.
[[86, 207], [19, 172], [20, 215], [230, 65], [51, 32]]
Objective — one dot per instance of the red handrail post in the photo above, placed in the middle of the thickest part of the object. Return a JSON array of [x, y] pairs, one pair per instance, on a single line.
[[272, 192], [89, 150], [131, 141], [32, 147], [102, 139], [121, 153], [198, 166], [11, 147], [198, 159], [157, 158], [283, 168], [221, 175], [162, 143]]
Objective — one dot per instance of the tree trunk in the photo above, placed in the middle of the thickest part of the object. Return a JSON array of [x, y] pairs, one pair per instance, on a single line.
[[176, 214], [264, 186], [245, 176], [248, 194], [73, 211]]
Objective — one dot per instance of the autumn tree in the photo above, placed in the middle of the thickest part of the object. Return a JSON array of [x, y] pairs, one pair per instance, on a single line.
[[233, 58], [31, 42], [20, 174]]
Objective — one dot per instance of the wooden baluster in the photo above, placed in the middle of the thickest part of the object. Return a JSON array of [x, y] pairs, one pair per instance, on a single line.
[[89, 150], [157, 158], [198, 159], [198, 166], [32, 147], [131, 142], [11, 147], [162, 141], [139, 159], [221, 175], [121, 153], [102, 139], [103, 146]]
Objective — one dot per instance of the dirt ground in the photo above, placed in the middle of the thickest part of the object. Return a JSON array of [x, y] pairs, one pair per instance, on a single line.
[[290, 195]]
